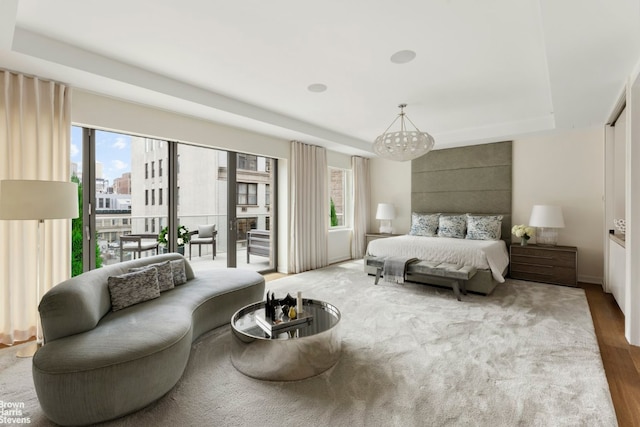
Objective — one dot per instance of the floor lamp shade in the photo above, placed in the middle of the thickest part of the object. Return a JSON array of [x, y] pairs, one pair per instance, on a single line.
[[30, 199], [37, 200]]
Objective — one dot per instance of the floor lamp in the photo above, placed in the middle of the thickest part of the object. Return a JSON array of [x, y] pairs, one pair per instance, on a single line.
[[37, 200]]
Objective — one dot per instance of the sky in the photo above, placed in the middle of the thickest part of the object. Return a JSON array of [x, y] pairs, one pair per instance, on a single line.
[[113, 150]]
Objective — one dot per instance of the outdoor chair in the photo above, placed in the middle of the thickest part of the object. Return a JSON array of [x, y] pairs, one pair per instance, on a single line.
[[205, 235], [138, 243]]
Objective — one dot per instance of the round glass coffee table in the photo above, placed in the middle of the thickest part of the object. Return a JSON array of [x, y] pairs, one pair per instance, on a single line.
[[291, 351]]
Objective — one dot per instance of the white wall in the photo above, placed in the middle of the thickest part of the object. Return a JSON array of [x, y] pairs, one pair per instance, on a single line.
[[619, 166], [391, 183], [100, 112], [564, 168]]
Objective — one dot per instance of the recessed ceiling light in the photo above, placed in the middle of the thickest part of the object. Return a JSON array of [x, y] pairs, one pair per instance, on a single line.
[[317, 87], [403, 56]]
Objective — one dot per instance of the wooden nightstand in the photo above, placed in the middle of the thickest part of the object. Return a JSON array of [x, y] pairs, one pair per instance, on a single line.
[[373, 236], [548, 264]]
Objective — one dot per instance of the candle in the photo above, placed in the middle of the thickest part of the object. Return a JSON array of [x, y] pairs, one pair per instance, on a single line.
[[299, 304]]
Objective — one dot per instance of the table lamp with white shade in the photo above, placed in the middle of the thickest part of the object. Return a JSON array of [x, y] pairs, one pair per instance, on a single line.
[[37, 200], [385, 213], [547, 219]]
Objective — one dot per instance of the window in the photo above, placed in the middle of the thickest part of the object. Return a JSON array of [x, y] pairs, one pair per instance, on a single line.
[[267, 195], [135, 203], [247, 162], [338, 194], [247, 193]]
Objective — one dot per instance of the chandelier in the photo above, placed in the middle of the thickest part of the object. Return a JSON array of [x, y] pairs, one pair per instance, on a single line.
[[405, 144]]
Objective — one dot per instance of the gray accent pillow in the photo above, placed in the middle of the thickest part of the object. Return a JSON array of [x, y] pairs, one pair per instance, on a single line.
[[424, 224], [452, 226], [165, 274], [132, 288], [484, 227], [205, 231], [179, 273]]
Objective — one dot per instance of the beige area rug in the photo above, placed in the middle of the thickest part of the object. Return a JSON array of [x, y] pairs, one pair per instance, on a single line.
[[412, 356]]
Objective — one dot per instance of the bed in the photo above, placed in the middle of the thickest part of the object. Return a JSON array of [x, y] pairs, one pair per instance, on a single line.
[[463, 239], [473, 181]]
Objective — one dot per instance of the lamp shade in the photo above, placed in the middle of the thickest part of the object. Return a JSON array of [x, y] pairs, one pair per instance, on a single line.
[[30, 199], [546, 216], [385, 211]]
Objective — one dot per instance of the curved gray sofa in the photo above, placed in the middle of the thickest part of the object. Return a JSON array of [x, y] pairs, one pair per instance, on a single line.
[[98, 364]]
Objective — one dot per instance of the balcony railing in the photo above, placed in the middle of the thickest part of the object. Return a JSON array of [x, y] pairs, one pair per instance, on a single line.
[[109, 233]]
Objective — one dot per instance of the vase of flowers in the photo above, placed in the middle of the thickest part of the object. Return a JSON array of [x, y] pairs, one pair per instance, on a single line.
[[524, 232], [181, 239]]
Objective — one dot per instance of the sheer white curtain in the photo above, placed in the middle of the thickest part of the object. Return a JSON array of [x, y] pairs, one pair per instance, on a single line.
[[361, 198], [35, 119], [309, 216]]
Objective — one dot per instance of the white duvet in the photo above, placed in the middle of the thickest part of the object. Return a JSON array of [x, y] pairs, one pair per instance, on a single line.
[[482, 254]]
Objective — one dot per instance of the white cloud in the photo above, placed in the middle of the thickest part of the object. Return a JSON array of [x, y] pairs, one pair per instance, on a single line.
[[120, 143], [119, 164], [74, 150]]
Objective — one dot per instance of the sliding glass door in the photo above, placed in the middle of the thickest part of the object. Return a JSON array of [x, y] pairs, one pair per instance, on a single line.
[[141, 189], [231, 191]]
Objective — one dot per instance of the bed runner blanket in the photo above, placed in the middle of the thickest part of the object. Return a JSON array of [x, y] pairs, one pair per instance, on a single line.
[[395, 268]]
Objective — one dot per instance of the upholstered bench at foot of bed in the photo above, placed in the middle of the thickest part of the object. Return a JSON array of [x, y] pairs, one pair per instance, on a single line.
[[444, 273]]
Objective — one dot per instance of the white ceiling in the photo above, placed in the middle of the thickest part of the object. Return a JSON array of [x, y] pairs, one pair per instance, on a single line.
[[484, 71]]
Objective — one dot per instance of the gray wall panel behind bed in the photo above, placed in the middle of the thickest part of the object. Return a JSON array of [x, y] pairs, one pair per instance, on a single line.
[[474, 179]]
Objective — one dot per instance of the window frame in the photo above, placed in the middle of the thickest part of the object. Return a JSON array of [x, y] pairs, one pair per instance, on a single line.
[[247, 194], [347, 196]]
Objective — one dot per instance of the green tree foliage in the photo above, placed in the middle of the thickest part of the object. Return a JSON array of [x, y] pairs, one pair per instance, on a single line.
[[334, 216], [77, 236]]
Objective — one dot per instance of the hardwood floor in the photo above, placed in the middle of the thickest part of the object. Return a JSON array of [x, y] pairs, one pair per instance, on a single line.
[[621, 360]]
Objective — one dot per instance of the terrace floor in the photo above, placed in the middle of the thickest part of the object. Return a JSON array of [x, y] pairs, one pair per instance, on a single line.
[[204, 262]]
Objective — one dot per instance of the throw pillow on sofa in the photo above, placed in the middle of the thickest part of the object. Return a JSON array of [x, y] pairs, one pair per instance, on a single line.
[[179, 273], [133, 288], [165, 274]]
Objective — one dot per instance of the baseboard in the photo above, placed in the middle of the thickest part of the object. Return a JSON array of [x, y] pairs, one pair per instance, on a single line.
[[339, 259], [596, 280]]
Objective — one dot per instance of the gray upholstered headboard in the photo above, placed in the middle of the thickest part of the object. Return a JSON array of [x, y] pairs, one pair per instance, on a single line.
[[473, 179]]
